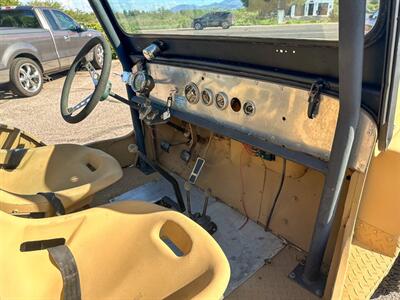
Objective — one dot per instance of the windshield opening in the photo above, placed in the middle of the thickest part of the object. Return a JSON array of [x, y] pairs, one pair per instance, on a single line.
[[291, 19]]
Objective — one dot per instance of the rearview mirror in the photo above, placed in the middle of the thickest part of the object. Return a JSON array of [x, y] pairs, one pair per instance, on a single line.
[[83, 27]]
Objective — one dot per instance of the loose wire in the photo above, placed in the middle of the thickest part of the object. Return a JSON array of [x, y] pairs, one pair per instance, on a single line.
[[263, 190], [242, 185], [282, 181], [208, 146]]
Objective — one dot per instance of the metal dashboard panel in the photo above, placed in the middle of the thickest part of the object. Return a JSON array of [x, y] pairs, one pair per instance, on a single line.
[[281, 111]]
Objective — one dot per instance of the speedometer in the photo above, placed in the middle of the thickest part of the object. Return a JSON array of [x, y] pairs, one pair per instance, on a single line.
[[221, 100], [192, 93], [207, 97]]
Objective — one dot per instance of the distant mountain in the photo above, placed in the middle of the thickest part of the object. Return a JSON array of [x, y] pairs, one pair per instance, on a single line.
[[183, 7], [224, 5]]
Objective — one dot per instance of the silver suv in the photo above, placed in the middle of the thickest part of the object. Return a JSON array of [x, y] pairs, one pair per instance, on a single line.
[[39, 41]]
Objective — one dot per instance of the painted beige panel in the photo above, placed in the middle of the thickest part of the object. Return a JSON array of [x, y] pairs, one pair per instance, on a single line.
[[380, 205], [250, 184], [122, 149], [342, 243]]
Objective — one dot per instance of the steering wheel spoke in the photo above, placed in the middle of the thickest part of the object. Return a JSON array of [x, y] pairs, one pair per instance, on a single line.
[[80, 105], [93, 73]]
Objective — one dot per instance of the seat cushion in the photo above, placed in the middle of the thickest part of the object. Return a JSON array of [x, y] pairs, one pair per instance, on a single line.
[[122, 251], [74, 173]]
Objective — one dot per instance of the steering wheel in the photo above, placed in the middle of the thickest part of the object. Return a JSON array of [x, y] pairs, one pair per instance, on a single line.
[[101, 83]]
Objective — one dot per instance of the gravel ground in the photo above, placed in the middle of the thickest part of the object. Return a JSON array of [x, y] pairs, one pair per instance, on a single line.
[[40, 115], [390, 286]]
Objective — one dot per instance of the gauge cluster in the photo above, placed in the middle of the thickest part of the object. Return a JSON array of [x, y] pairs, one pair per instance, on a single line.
[[193, 94]]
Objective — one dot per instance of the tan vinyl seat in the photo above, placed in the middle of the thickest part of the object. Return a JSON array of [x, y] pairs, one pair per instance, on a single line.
[[73, 173], [120, 253]]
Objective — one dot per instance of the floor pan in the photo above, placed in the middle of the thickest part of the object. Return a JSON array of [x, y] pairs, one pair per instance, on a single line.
[[246, 244]]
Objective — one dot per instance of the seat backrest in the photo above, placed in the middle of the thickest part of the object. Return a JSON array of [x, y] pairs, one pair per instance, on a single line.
[[12, 138]]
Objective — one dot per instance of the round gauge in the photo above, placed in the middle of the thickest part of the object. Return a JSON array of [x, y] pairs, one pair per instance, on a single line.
[[207, 97], [192, 93], [249, 108], [221, 100], [142, 82]]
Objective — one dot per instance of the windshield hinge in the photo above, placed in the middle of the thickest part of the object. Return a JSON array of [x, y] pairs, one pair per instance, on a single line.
[[314, 98]]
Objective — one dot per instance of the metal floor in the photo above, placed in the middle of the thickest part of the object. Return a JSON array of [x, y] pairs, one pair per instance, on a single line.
[[247, 245]]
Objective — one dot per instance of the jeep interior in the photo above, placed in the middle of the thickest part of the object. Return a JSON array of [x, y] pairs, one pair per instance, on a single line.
[[265, 167]]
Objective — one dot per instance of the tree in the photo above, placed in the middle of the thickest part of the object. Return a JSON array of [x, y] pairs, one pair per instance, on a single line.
[[46, 3], [245, 3], [10, 3]]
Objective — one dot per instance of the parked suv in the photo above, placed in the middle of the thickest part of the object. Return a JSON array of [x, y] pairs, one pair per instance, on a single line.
[[214, 19], [37, 42]]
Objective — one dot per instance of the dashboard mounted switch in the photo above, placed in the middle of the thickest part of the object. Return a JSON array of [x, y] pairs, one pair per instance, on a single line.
[[153, 50]]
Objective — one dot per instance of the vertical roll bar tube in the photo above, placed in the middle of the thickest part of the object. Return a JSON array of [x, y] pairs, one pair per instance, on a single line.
[[112, 35], [351, 52]]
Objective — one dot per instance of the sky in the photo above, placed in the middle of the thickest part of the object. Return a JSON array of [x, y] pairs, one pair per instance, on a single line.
[[133, 4], [73, 4], [147, 5]]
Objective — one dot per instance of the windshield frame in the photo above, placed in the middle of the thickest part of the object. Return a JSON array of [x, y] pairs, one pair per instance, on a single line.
[[369, 36], [310, 63]]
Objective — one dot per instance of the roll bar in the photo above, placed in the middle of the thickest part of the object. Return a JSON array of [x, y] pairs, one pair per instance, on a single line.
[[351, 57]]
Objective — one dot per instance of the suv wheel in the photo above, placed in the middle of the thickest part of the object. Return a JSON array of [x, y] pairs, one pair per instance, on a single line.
[[198, 26], [26, 77], [225, 25], [98, 57]]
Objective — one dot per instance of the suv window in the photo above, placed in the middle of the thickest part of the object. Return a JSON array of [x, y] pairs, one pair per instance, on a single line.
[[51, 20], [64, 21], [18, 18]]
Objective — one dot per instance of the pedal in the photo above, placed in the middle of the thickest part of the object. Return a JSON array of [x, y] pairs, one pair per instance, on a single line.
[[165, 146], [186, 155], [198, 167]]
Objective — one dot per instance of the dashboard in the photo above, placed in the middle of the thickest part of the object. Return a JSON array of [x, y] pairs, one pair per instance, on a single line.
[[272, 113]]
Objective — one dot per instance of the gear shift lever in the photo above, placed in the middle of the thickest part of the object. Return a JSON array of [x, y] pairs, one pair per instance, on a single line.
[[208, 195], [188, 188], [200, 218]]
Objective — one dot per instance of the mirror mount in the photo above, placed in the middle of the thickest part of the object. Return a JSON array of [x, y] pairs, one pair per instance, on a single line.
[[79, 28]]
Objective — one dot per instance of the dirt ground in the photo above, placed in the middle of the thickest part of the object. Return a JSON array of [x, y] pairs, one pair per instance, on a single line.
[[40, 115]]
